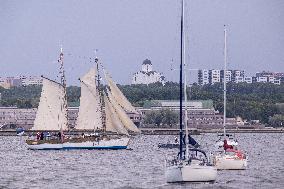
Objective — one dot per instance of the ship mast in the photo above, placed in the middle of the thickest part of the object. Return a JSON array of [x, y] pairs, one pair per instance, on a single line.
[[185, 100], [180, 80], [100, 92], [225, 79], [63, 83]]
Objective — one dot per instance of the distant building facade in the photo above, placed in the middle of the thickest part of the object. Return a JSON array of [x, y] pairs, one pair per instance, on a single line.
[[147, 75], [238, 76], [216, 76], [201, 113], [31, 80], [9, 82], [13, 117]]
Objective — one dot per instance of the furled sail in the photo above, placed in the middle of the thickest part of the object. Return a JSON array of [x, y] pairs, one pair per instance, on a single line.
[[118, 95], [113, 123], [51, 113], [90, 115], [128, 124]]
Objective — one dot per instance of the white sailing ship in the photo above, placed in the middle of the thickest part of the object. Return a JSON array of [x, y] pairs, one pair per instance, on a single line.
[[230, 157], [102, 113], [190, 165], [98, 112]]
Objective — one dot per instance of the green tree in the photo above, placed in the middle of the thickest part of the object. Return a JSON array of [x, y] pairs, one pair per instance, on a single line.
[[276, 121], [164, 116]]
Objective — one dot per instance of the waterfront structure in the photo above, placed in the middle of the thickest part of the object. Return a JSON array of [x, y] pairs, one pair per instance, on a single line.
[[237, 76], [201, 113], [13, 117], [147, 75]]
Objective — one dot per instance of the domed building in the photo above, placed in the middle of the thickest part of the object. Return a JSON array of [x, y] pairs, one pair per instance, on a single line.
[[147, 75]]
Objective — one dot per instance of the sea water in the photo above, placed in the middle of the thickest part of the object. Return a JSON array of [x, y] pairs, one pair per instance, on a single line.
[[141, 167]]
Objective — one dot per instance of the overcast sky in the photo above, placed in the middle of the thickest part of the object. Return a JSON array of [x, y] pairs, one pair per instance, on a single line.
[[126, 32]]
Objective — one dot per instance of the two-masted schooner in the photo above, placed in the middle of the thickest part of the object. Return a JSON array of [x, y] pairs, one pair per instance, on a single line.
[[102, 112]]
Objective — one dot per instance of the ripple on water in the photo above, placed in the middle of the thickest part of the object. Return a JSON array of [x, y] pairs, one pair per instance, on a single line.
[[142, 167]]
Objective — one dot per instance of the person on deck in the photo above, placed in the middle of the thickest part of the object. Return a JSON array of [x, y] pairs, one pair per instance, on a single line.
[[176, 140], [41, 136], [38, 136], [59, 135], [227, 146]]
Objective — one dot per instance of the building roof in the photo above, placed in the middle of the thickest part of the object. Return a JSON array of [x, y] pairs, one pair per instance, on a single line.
[[192, 104], [147, 61]]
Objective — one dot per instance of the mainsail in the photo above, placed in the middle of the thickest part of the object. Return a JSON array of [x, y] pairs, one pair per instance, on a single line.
[[51, 113], [113, 122], [128, 124], [90, 115], [118, 96]]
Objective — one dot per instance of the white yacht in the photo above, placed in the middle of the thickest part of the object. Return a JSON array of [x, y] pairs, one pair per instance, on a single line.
[[190, 165], [229, 157]]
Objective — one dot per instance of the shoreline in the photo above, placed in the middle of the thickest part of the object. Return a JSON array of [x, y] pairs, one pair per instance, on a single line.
[[154, 131], [166, 131]]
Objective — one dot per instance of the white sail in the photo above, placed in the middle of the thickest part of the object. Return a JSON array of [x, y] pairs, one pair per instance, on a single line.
[[118, 95], [128, 124], [113, 123], [51, 113], [89, 116]]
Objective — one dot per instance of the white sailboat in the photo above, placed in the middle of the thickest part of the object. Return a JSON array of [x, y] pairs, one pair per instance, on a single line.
[[51, 115], [230, 157], [100, 112], [110, 124], [191, 165]]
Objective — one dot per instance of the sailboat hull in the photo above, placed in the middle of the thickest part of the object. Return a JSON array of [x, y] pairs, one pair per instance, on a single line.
[[190, 173], [45, 146], [114, 144], [229, 162]]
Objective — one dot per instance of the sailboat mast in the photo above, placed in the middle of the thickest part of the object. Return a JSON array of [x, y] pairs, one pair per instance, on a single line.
[[225, 79], [185, 98], [100, 94], [63, 82], [180, 80], [185, 113]]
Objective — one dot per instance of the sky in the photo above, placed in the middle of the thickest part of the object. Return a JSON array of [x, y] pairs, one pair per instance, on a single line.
[[126, 32]]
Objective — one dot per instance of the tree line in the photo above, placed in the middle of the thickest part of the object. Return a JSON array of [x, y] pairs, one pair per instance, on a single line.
[[257, 101]]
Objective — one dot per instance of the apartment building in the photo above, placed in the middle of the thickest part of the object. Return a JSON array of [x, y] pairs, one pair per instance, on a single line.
[[238, 76], [217, 76]]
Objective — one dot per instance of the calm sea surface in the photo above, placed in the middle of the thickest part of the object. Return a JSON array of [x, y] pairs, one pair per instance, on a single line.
[[142, 167]]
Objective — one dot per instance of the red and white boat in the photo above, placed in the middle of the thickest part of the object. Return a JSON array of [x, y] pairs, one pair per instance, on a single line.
[[229, 157]]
